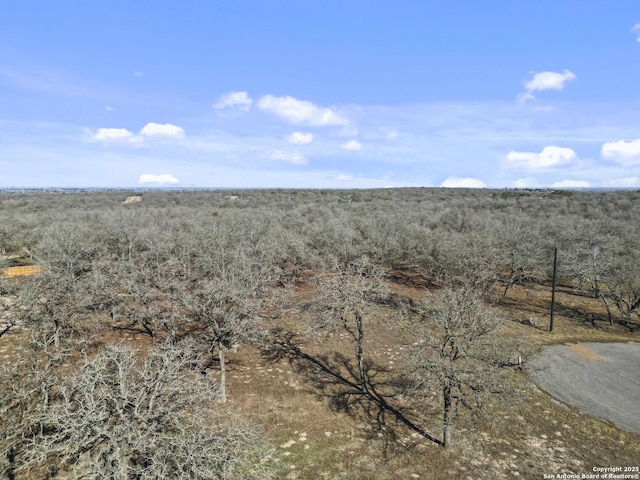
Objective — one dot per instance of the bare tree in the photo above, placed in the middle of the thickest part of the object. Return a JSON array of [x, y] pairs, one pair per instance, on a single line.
[[69, 248], [27, 387], [519, 247], [55, 304], [227, 315], [459, 352], [138, 297], [349, 294], [8, 319], [230, 280], [53, 309], [124, 418], [621, 287], [588, 251]]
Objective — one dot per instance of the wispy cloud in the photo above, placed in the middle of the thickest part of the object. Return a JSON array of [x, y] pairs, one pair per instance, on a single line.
[[49, 81], [549, 157], [236, 100], [626, 182], [343, 177], [458, 182], [299, 138], [389, 133], [545, 81], [527, 182], [162, 179], [54, 81], [292, 157], [636, 31], [351, 145], [571, 184], [301, 112]]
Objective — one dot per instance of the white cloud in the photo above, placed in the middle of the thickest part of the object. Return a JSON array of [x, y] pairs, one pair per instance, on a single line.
[[550, 157], [524, 97], [122, 135], [624, 153], [239, 100], [351, 145], [301, 112], [109, 108], [162, 130], [292, 157], [458, 182], [161, 179], [435, 141], [389, 133], [624, 182], [636, 31], [343, 178], [299, 138], [528, 182], [545, 81], [114, 135], [138, 74], [571, 184], [549, 81]]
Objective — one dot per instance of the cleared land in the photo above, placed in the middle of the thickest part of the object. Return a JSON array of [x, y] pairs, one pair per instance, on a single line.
[[598, 378]]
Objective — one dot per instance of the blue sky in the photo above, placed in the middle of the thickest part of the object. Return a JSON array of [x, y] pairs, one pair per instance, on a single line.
[[321, 94]]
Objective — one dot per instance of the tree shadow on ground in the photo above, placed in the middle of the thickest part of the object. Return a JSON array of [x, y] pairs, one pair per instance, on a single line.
[[335, 377], [594, 319], [410, 278]]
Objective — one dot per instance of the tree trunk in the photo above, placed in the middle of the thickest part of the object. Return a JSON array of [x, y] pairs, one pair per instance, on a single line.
[[553, 287], [11, 470], [506, 289], [360, 353], [56, 334], [606, 305], [123, 458], [596, 288], [446, 418], [223, 372]]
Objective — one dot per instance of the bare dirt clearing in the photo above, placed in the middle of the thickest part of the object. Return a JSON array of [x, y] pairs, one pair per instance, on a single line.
[[598, 378]]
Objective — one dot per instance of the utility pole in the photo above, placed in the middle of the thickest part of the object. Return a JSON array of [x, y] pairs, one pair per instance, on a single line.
[[553, 286]]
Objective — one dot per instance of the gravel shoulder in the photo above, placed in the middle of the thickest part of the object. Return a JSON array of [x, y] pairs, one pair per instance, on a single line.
[[602, 379]]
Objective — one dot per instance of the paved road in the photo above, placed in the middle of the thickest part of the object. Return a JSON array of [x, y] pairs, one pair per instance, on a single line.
[[602, 379]]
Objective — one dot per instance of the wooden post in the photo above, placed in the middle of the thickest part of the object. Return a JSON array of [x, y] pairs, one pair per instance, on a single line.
[[553, 286]]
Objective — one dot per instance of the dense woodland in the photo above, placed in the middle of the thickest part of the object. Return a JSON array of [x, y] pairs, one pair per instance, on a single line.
[[118, 355]]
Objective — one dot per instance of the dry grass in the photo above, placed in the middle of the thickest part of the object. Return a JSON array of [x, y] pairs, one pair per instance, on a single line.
[[22, 271], [577, 318], [585, 352]]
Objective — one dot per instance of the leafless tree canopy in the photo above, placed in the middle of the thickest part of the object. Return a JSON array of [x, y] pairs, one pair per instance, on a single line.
[[459, 353], [124, 418]]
